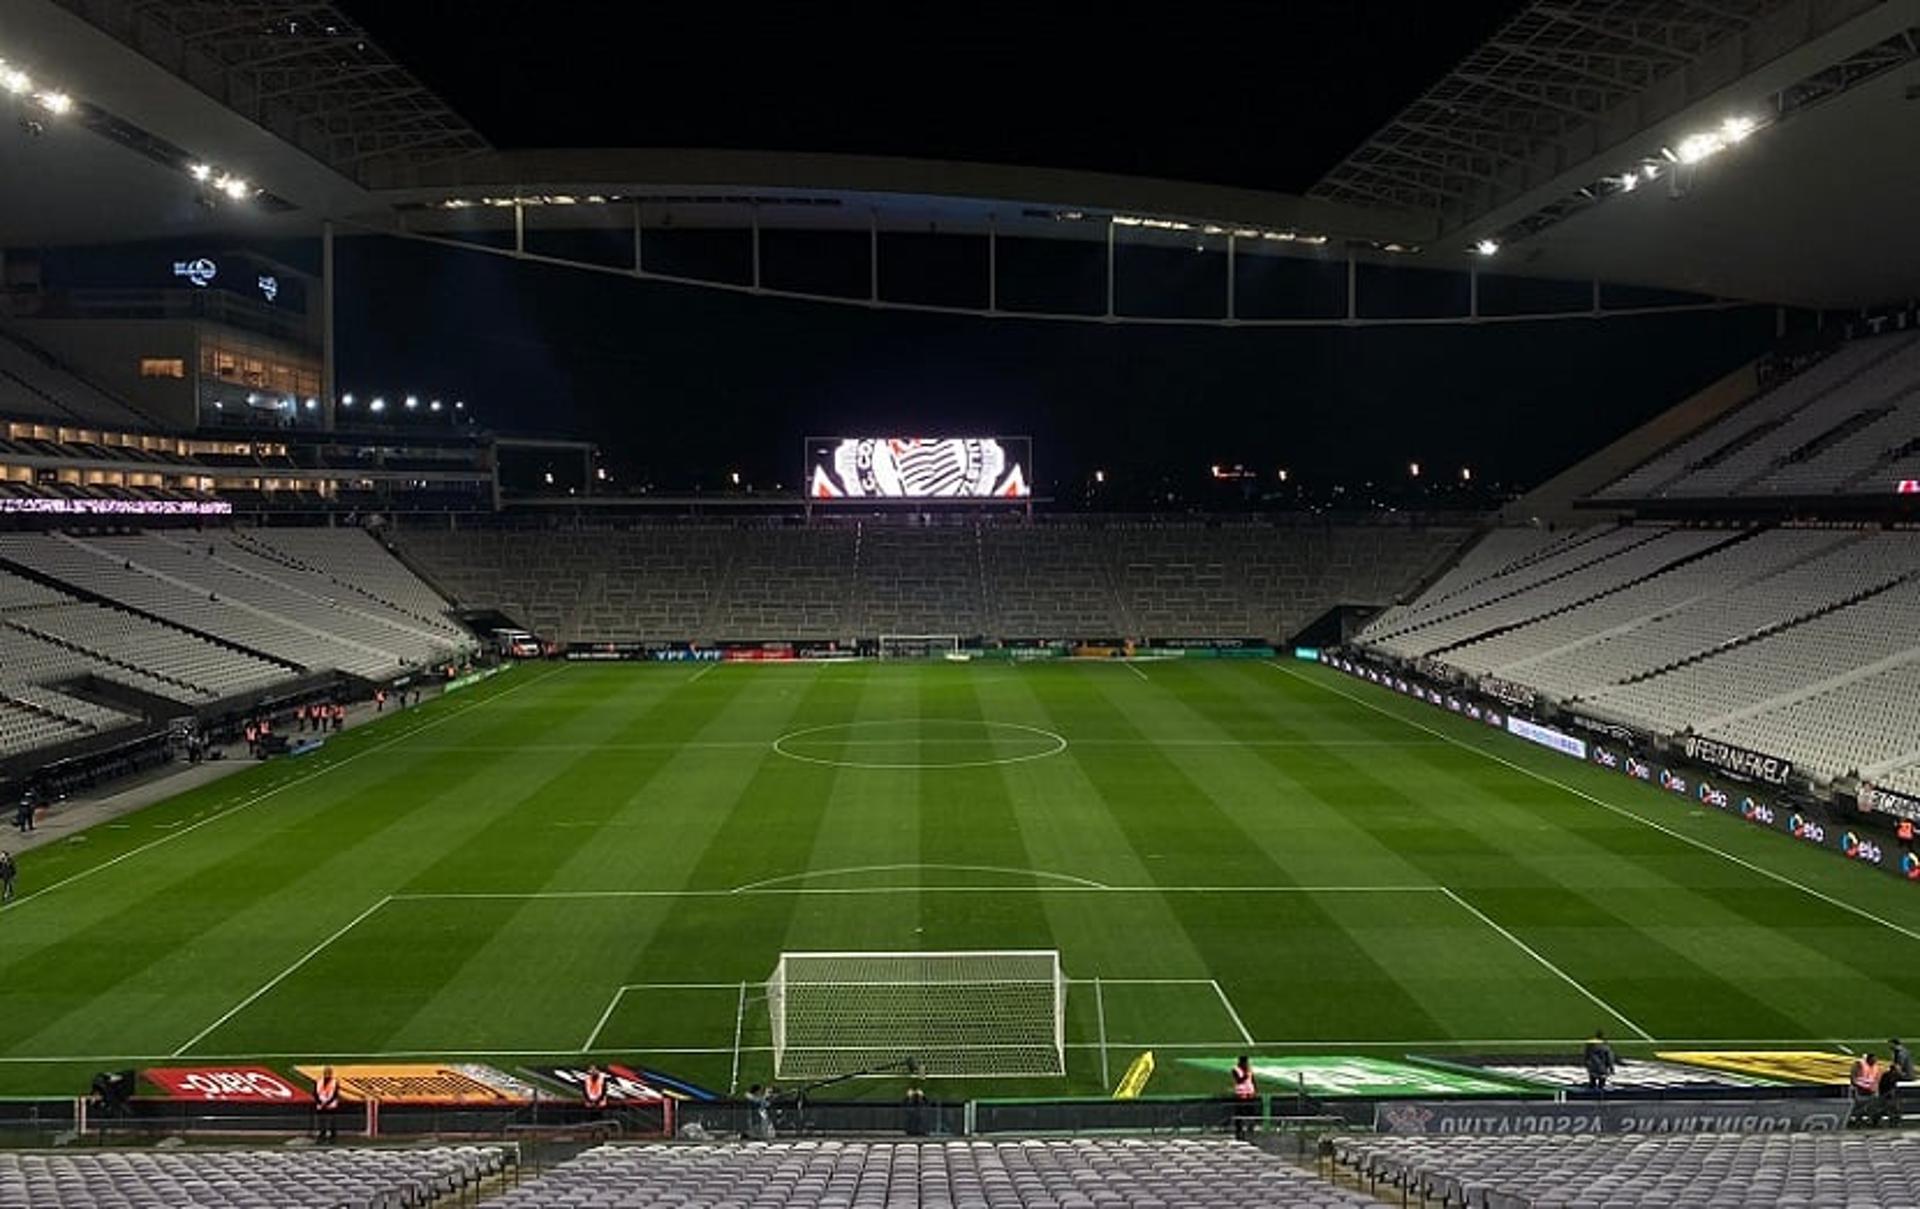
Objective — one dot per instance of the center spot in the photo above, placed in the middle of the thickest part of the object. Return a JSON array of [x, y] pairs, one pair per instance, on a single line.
[[916, 743]]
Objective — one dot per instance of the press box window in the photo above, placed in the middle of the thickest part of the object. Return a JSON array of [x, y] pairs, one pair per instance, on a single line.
[[162, 367]]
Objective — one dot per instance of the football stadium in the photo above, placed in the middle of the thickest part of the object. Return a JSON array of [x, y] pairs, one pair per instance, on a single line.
[[767, 608]]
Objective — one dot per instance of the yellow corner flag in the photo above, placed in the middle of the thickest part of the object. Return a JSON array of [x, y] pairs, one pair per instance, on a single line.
[[1135, 1080]]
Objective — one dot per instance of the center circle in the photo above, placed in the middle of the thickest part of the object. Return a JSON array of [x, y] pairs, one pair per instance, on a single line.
[[919, 743]]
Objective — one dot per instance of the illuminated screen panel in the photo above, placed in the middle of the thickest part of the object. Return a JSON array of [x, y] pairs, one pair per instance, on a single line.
[[920, 468]]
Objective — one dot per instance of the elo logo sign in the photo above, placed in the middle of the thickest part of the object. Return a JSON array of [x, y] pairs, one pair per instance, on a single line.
[[1860, 849], [1712, 796], [1756, 812], [1910, 867], [1671, 782], [1807, 830]]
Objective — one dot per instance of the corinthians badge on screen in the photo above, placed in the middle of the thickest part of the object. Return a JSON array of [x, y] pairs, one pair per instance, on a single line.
[[917, 468]]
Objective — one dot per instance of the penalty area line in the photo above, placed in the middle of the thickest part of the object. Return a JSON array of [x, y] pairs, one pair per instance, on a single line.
[[281, 977], [618, 994], [1232, 1014], [1550, 967]]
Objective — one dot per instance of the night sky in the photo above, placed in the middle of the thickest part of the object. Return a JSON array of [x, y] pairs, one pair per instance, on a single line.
[[683, 385], [1266, 94]]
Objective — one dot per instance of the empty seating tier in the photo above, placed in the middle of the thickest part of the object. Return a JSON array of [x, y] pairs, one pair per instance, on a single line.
[[1600, 1171], [245, 1179], [1848, 424], [1802, 643], [1058, 580], [196, 620], [214, 585], [35, 386], [1078, 1174]]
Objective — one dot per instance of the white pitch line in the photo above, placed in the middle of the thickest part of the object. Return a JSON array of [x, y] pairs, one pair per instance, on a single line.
[[855, 891], [809, 875], [1231, 1013], [1100, 1014], [711, 664], [696, 745], [604, 1017], [739, 1034], [1135, 670], [282, 976], [1622, 811], [262, 796], [1269, 1044], [1555, 970]]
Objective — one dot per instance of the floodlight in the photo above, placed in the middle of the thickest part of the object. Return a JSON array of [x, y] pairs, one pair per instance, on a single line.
[[413, 402], [1736, 128], [346, 400], [199, 172], [1413, 468], [313, 405], [378, 405], [1696, 147], [233, 186], [434, 406], [1486, 247], [15, 81], [55, 102], [734, 476], [1629, 182]]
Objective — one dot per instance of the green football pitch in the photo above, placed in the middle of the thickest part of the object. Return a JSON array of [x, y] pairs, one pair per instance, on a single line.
[[1229, 856]]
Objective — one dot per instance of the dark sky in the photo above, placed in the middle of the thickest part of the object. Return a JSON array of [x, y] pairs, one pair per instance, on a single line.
[[1266, 94]]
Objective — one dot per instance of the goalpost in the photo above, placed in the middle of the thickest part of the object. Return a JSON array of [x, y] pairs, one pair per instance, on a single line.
[[990, 1014], [918, 646]]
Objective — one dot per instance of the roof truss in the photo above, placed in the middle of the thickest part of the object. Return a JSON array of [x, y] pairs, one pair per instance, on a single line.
[[302, 69]]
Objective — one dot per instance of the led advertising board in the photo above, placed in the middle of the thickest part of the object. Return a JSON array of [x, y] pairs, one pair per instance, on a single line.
[[919, 468]]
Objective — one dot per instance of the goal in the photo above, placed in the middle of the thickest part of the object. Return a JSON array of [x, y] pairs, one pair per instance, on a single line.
[[991, 1013], [918, 646]]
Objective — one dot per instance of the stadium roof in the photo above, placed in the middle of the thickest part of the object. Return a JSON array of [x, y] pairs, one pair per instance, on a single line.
[[1524, 144]]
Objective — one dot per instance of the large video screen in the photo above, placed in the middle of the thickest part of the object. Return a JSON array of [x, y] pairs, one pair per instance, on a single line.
[[920, 468]]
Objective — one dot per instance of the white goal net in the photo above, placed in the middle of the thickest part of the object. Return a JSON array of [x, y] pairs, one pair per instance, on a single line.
[[918, 646], [991, 1013]]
